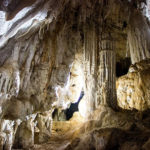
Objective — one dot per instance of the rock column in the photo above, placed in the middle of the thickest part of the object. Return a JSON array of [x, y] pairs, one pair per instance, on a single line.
[[106, 76]]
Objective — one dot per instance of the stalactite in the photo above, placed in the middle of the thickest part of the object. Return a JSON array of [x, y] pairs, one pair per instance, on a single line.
[[90, 66], [47, 72], [138, 37]]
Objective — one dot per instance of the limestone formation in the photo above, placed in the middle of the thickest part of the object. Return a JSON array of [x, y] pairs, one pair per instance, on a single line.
[[133, 88], [55, 53]]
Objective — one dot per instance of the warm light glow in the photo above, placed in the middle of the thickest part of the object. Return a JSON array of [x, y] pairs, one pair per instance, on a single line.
[[17, 81], [82, 107]]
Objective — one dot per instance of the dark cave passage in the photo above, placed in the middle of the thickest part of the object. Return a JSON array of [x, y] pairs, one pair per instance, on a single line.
[[64, 115], [73, 107], [123, 66]]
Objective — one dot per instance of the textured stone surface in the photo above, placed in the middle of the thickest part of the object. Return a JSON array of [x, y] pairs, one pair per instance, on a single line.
[[133, 88], [121, 132], [50, 51]]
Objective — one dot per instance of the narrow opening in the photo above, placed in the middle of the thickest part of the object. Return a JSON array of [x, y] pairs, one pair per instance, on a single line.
[[123, 66], [73, 107], [124, 24], [63, 115]]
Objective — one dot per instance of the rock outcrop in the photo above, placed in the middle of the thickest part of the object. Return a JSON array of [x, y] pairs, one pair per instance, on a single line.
[[133, 88]]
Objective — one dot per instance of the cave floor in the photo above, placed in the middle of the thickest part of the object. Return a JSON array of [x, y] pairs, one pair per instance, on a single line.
[[116, 130], [63, 133]]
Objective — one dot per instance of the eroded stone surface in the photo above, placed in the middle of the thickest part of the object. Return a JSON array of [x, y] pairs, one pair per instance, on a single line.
[[49, 53], [133, 88]]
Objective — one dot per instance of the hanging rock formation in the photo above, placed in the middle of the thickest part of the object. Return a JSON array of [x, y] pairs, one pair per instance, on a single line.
[[51, 51], [138, 34]]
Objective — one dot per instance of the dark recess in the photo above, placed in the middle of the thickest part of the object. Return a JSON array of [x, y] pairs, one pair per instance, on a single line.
[[57, 116], [73, 107], [122, 66]]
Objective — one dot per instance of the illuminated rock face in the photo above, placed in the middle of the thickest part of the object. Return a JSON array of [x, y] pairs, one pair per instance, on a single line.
[[50, 51], [107, 72], [138, 34], [133, 88]]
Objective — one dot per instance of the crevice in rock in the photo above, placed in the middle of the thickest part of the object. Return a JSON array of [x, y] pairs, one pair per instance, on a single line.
[[122, 66], [73, 107], [63, 115]]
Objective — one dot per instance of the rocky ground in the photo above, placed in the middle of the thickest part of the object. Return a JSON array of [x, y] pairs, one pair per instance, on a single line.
[[115, 131], [53, 50]]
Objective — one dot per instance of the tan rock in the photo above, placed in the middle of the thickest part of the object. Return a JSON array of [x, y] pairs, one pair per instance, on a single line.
[[133, 88]]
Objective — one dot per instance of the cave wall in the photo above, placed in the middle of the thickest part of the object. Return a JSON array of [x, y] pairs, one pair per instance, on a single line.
[[40, 48], [138, 34]]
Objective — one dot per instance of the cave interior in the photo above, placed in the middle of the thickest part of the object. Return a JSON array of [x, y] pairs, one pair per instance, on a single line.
[[75, 75]]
